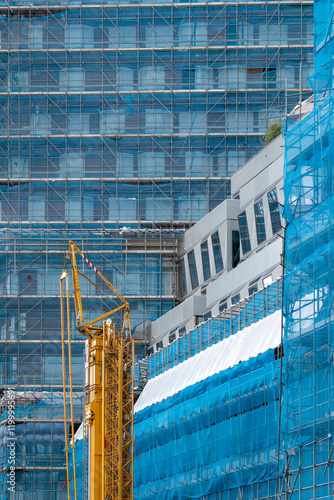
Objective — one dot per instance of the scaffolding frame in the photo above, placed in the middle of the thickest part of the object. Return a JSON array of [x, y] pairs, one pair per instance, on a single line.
[[91, 146]]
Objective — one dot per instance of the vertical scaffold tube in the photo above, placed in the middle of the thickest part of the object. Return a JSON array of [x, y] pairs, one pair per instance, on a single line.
[[71, 382], [64, 380]]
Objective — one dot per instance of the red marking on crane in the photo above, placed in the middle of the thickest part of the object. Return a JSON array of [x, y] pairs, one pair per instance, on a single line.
[[91, 265]]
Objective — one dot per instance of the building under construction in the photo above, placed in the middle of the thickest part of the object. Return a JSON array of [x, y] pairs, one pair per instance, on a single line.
[[251, 414], [121, 126]]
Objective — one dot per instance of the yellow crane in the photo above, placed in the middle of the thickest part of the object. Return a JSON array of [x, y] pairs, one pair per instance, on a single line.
[[108, 422]]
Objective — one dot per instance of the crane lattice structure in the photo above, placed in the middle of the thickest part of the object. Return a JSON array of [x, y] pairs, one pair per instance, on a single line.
[[108, 421]]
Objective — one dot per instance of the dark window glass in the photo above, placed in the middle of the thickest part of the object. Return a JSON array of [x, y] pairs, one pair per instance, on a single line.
[[199, 319], [274, 211], [188, 78], [255, 77], [205, 260], [54, 34], [278, 352], [271, 77], [28, 282], [94, 126], [256, 121], [244, 235], [235, 248], [178, 168], [207, 316], [216, 33], [216, 121], [294, 33], [159, 345], [252, 289], [182, 331], [192, 269], [222, 305], [182, 278], [217, 253], [56, 207], [236, 298], [93, 78], [139, 350], [172, 335], [149, 351], [259, 222]]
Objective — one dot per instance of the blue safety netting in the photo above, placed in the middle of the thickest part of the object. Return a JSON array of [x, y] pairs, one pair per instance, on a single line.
[[218, 434], [229, 322], [79, 470], [308, 408], [35, 440], [113, 115]]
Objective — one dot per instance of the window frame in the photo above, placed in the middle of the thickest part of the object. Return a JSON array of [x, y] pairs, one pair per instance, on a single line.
[[182, 272], [205, 260], [217, 252], [260, 224], [192, 266], [275, 216], [244, 232]]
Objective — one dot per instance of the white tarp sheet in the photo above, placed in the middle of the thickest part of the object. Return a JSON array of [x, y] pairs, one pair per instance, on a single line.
[[246, 344]]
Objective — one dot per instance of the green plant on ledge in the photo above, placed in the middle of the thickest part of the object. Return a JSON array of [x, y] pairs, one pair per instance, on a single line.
[[274, 130]]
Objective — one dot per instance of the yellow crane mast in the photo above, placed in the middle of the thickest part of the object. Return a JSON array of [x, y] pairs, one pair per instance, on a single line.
[[109, 390]]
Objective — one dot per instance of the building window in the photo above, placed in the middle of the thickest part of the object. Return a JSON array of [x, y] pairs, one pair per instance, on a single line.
[[259, 222], [267, 280], [271, 77], [182, 278], [159, 345], [216, 34], [172, 335], [216, 121], [274, 211], [199, 319], [236, 298], [182, 331], [37, 207], [278, 352], [244, 234], [255, 77], [235, 248], [28, 281], [188, 78], [255, 121], [150, 351], [192, 269], [252, 288], [217, 253], [207, 316], [222, 305], [205, 260], [139, 350]]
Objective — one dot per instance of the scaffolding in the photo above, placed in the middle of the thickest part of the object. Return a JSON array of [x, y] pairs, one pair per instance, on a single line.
[[120, 126], [307, 412], [230, 321], [33, 442], [209, 425]]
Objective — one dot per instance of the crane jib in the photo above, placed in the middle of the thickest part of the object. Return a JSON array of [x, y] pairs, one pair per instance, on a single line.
[[91, 265]]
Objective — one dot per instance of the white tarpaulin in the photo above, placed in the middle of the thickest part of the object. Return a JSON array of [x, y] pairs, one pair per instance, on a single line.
[[246, 344]]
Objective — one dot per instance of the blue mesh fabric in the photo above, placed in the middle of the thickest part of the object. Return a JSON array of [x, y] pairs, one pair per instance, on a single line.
[[217, 434]]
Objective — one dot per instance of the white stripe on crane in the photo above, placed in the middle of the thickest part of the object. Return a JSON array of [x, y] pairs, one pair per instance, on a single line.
[[91, 265]]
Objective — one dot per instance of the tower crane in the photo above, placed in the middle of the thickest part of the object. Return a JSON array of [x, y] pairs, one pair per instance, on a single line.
[[108, 422]]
